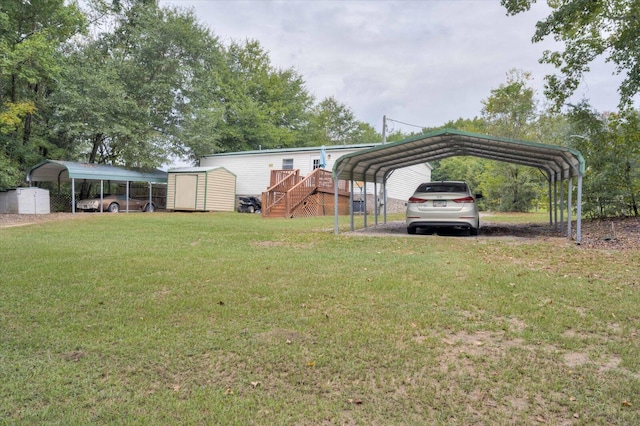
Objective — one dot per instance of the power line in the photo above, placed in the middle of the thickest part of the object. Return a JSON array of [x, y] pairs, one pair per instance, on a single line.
[[406, 124]]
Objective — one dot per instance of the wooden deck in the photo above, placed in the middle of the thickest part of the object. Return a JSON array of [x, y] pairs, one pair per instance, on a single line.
[[292, 195]]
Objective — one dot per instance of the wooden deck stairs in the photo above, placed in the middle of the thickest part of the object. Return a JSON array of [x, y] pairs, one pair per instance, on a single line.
[[291, 195]]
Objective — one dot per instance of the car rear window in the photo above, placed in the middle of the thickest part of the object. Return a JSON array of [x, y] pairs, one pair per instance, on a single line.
[[442, 187]]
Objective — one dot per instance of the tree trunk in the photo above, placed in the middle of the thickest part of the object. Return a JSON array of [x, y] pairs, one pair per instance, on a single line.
[[97, 141], [26, 135]]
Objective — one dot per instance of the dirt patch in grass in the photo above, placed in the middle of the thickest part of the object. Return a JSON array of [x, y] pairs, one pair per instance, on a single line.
[[11, 220], [476, 360]]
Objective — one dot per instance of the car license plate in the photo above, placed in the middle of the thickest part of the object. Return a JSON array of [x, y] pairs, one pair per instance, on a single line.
[[439, 203]]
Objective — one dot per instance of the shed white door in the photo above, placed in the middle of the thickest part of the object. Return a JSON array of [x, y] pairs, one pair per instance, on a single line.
[[186, 191]]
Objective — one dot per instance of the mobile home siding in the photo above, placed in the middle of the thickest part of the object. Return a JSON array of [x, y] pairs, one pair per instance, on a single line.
[[403, 182], [253, 169]]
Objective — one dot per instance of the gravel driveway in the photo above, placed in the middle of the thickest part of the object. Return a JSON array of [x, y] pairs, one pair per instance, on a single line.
[[618, 233]]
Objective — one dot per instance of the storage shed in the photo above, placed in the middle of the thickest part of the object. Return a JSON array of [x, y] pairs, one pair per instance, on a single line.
[[201, 189], [25, 201]]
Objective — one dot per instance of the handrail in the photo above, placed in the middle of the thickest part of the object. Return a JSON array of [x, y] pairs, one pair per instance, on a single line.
[[289, 186], [319, 178], [269, 200], [281, 180]]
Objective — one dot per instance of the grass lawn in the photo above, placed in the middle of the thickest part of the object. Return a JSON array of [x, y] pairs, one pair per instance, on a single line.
[[233, 319]]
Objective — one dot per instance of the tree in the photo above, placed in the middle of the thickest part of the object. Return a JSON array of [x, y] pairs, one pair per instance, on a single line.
[[625, 129], [138, 94], [31, 33], [610, 144], [263, 107], [468, 169], [365, 133], [588, 29], [474, 125], [333, 123], [510, 112]]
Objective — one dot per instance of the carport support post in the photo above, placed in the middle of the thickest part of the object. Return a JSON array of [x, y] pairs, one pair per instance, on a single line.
[[364, 187], [351, 204], [101, 195], [561, 203], [375, 203], [569, 206], [555, 202], [150, 194], [73, 195], [127, 201], [384, 200], [335, 205], [579, 211], [550, 199], [385, 179]]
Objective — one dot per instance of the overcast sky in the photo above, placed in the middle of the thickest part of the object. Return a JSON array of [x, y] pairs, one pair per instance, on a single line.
[[418, 62]]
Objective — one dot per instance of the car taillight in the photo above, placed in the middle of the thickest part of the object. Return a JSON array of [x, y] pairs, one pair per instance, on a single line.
[[417, 200], [468, 199]]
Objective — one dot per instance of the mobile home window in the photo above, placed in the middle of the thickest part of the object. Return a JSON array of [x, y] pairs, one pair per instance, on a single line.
[[316, 163], [287, 164]]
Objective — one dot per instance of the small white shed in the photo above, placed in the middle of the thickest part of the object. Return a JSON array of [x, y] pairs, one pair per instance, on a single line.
[[25, 201], [201, 189]]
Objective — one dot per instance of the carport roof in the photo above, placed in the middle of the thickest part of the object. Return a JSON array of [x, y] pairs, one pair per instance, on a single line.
[[375, 164], [65, 171]]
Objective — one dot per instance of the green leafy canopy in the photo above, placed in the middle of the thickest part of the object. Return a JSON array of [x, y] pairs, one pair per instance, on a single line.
[[588, 29]]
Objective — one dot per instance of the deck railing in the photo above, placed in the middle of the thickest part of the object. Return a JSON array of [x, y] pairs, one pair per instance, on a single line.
[[318, 179], [281, 182], [283, 178], [291, 189]]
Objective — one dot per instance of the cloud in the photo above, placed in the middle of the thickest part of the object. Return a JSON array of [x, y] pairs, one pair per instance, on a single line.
[[421, 62]]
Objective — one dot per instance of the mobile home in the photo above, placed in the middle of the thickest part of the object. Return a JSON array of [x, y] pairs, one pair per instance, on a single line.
[[253, 168]]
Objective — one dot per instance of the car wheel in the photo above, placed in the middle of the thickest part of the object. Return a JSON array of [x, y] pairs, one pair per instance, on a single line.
[[411, 230], [473, 231], [114, 208], [149, 208]]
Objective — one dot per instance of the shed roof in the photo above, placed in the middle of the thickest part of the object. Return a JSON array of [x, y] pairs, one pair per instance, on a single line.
[[374, 164], [202, 169], [65, 171]]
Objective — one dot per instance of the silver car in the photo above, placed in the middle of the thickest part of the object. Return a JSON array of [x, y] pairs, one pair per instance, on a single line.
[[446, 204]]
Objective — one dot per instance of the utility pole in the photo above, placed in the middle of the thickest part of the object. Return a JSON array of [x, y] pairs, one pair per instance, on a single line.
[[384, 129]]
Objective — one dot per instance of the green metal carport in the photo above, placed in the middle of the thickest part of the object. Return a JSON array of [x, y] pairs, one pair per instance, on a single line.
[[557, 163], [70, 171]]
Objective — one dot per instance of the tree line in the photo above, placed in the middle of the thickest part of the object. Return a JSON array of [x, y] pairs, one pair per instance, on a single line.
[[609, 143], [126, 82], [134, 84]]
